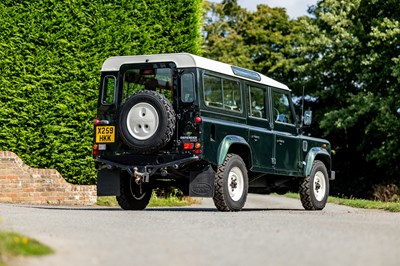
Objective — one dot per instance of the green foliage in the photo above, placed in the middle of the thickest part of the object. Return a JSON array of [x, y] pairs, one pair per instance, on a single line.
[[358, 203], [159, 198], [260, 40], [351, 64], [50, 58], [12, 245]]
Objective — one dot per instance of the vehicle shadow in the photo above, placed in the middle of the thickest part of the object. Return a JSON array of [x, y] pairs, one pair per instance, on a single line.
[[154, 209]]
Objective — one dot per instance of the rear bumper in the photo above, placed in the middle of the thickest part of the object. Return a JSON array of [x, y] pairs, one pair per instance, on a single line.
[[148, 169]]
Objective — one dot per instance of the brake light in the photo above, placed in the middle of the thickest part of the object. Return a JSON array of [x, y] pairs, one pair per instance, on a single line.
[[148, 72], [197, 151], [188, 146], [95, 149], [98, 122]]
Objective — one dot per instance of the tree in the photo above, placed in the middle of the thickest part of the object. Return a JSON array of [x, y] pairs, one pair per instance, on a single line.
[[260, 40], [350, 63], [346, 57]]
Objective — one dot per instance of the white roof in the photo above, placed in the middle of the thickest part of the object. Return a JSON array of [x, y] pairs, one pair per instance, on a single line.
[[183, 60]]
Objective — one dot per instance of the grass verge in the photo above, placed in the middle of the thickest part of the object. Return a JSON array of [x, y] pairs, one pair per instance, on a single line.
[[155, 201], [13, 245], [359, 203]]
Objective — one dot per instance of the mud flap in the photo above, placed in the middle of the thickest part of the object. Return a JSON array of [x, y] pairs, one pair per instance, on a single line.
[[108, 182], [202, 183]]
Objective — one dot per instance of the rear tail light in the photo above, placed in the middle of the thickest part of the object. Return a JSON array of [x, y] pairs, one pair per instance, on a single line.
[[98, 122], [198, 119], [95, 149], [188, 146]]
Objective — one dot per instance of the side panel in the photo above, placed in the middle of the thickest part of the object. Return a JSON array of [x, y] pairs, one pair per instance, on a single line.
[[262, 149], [287, 152]]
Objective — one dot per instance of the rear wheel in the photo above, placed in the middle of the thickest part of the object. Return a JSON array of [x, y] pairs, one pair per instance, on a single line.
[[314, 189], [133, 196], [231, 184]]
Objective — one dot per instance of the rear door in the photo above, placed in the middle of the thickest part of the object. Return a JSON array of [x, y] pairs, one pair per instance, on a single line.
[[261, 139]]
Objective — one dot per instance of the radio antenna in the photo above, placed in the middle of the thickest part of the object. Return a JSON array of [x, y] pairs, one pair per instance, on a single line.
[[302, 108]]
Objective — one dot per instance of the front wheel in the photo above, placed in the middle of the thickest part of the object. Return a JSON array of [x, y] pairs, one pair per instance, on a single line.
[[133, 196], [231, 184], [314, 189]]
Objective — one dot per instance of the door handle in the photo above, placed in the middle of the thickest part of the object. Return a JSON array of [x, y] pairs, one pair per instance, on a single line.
[[280, 141], [255, 137]]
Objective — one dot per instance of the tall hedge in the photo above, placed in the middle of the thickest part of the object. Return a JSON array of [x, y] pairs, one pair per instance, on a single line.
[[51, 53]]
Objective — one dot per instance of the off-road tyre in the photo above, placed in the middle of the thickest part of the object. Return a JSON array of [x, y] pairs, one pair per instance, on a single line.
[[132, 196], [146, 122], [314, 189], [231, 184]]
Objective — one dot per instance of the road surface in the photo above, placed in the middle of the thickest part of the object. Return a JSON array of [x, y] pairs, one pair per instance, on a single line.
[[271, 230]]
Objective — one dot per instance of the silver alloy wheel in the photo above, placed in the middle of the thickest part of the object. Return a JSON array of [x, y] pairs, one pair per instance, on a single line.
[[142, 121], [319, 186], [235, 183]]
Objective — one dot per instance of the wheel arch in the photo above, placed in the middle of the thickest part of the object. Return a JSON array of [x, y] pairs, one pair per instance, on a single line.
[[234, 144], [317, 153]]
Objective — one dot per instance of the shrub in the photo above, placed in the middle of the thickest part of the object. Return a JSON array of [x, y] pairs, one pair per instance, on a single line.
[[387, 193], [50, 58]]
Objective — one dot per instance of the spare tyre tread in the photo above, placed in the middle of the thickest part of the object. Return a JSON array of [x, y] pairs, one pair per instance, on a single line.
[[166, 116]]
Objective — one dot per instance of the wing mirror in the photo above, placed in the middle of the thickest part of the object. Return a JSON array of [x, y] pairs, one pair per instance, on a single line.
[[307, 118]]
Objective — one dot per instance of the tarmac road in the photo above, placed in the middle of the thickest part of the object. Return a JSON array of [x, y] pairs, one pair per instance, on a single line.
[[271, 230]]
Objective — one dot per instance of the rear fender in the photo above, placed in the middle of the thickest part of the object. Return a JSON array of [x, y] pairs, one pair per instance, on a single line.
[[225, 145]]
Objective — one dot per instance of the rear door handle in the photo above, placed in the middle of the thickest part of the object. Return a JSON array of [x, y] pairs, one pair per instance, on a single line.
[[280, 141], [255, 137]]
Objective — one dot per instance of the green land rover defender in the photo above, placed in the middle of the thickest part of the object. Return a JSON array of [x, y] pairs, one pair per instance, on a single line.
[[206, 127]]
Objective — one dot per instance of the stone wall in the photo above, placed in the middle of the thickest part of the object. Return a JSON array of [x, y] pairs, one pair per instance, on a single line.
[[20, 183]]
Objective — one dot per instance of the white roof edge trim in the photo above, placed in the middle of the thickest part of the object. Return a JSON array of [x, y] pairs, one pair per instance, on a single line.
[[185, 60]]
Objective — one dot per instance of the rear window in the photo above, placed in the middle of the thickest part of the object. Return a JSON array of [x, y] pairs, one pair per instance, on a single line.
[[159, 79]]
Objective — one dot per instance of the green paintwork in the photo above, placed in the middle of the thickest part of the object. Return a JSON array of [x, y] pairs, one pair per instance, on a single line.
[[310, 157], [226, 143]]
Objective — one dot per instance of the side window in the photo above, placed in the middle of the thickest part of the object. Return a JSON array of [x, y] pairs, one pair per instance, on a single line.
[[281, 108], [213, 91], [108, 90], [257, 102], [187, 88], [232, 96], [222, 93]]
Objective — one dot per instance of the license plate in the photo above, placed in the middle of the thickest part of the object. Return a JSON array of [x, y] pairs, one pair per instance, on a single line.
[[105, 134]]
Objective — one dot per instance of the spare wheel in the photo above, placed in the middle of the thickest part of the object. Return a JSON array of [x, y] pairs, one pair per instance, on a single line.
[[147, 121]]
